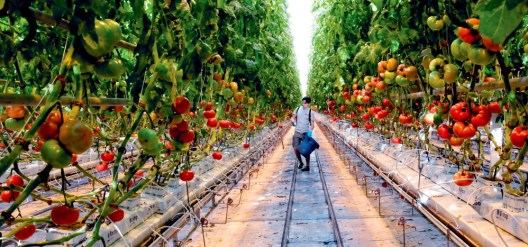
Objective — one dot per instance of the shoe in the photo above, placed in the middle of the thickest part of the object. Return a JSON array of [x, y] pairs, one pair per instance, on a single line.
[[300, 164], [305, 168]]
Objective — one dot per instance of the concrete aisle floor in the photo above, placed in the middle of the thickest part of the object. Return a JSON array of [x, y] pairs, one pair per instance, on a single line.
[[258, 218]]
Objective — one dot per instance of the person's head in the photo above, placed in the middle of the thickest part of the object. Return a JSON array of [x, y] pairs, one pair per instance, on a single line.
[[306, 101]]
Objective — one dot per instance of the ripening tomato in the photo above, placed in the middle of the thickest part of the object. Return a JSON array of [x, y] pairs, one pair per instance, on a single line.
[[455, 141], [26, 232], [181, 105], [15, 180], [463, 178], [217, 155], [75, 136], [15, 111], [186, 175], [107, 156], [64, 215], [490, 45], [518, 136]]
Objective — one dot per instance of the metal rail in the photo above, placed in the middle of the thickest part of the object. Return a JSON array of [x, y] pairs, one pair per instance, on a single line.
[[335, 226], [287, 222]]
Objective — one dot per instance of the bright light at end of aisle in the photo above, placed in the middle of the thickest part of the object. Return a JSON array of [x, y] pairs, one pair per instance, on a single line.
[[301, 23]]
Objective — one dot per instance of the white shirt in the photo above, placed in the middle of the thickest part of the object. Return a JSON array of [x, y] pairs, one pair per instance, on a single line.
[[302, 125]]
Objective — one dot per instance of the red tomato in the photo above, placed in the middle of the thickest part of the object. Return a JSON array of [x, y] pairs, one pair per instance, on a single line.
[[209, 114], [224, 124], [396, 140], [459, 111], [8, 196], [469, 35], [444, 131], [118, 108], [168, 145], [74, 158], [26, 232], [354, 125], [173, 131], [518, 136], [235, 125], [405, 119], [386, 102], [490, 45], [138, 174], [181, 105], [463, 178], [481, 116], [464, 131], [64, 215], [494, 107], [212, 122], [342, 108], [107, 156], [209, 106], [15, 180], [252, 127], [117, 215], [102, 166], [217, 155], [369, 125], [245, 145], [187, 137], [186, 175], [382, 114], [365, 116]]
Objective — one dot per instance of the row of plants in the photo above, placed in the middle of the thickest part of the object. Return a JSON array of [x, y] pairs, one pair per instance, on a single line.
[[403, 67], [187, 79]]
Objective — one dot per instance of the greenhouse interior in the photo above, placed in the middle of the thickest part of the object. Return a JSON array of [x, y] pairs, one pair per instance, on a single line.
[[263, 123]]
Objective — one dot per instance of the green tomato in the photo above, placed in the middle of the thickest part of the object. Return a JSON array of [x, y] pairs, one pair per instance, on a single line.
[[148, 139], [389, 77], [15, 124], [458, 51], [154, 151], [480, 56], [435, 80], [402, 81], [450, 72], [110, 69], [53, 154], [434, 23], [436, 64], [108, 34]]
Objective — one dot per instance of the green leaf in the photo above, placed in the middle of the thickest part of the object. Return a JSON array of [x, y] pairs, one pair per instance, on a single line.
[[498, 18]]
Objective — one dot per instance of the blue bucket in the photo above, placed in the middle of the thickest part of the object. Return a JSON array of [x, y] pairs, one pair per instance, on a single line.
[[307, 146]]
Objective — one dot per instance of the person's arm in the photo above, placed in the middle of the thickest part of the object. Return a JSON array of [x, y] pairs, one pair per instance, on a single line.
[[312, 124]]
